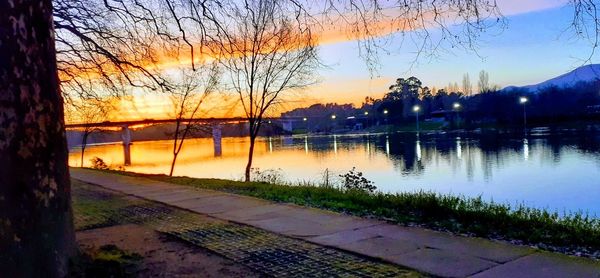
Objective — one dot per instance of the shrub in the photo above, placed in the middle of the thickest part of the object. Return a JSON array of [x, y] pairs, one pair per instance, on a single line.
[[98, 163], [354, 180], [273, 176]]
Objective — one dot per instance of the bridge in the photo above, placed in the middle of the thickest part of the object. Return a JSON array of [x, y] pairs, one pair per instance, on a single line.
[[286, 124]]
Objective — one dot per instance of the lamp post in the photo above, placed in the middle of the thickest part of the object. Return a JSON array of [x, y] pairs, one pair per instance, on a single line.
[[456, 107], [367, 117], [385, 113], [416, 109], [523, 101], [304, 119], [333, 119]]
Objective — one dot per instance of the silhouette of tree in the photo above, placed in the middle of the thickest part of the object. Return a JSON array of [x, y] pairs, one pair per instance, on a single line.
[[267, 53], [467, 87], [87, 112], [189, 90], [484, 82]]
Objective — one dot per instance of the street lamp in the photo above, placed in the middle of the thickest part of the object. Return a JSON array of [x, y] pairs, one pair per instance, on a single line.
[[366, 113], [333, 117], [456, 106], [416, 109], [523, 101], [304, 119], [385, 112]]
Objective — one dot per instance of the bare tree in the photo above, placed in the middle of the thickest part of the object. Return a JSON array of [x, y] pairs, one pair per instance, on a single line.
[[586, 23], [467, 87], [189, 91], [267, 53], [36, 222], [484, 82], [87, 112]]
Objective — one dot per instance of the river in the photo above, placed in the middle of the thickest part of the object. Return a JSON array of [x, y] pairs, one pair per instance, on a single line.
[[560, 172]]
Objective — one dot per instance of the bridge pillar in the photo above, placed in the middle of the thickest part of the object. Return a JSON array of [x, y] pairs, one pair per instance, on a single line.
[[216, 134], [126, 137]]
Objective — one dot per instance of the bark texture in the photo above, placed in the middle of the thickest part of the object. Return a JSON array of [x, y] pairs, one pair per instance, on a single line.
[[36, 226]]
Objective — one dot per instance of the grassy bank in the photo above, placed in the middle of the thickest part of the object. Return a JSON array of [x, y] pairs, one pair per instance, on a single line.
[[443, 212]]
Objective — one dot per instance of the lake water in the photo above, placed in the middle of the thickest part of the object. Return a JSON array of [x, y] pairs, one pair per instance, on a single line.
[[560, 172]]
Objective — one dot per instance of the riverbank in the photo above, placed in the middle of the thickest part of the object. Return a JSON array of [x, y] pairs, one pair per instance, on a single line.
[[574, 234]]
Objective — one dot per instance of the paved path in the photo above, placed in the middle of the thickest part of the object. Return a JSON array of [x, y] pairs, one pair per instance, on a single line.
[[268, 254], [427, 251]]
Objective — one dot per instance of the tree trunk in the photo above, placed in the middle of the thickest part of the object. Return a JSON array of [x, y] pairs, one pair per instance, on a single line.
[[82, 154], [250, 155], [173, 165], [83, 145], [36, 225]]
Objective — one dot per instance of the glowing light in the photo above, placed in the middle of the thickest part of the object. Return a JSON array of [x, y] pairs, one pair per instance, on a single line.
[[366, 113], [456, 105], [333, 117], [385, 111], [304, 119], [416, 108], [523, 100]]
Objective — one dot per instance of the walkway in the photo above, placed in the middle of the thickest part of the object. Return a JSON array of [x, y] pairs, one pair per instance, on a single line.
[[427, 251]]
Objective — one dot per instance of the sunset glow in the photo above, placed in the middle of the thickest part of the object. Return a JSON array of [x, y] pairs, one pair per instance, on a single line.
[[347, 80]]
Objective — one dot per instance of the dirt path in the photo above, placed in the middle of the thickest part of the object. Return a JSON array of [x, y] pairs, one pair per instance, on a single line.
[[163, 256]]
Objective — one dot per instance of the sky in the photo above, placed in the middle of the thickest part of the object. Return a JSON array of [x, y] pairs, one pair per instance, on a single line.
[[532, 48]]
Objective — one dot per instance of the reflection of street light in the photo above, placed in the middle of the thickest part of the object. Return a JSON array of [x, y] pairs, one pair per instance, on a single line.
[[523, 101], [416, 109]]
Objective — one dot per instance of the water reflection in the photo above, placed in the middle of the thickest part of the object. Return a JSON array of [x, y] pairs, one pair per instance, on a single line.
[[555, 171]]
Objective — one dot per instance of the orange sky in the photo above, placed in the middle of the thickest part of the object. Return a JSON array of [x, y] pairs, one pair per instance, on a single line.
[[331, 89]]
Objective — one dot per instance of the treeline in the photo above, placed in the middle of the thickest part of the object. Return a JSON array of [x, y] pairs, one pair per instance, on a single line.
[[407, 97]]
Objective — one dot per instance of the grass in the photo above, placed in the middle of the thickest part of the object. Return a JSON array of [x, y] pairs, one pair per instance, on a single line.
[[443, 212], [105, 261]]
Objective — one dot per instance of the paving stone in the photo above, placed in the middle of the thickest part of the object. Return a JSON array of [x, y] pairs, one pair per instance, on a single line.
[[442, 263], [289, 226], [198, 200], [143, 191], [482, 248], [254, 213], [546, 265], [381, 247], [341, 238], [224, 203], [486, 249]]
